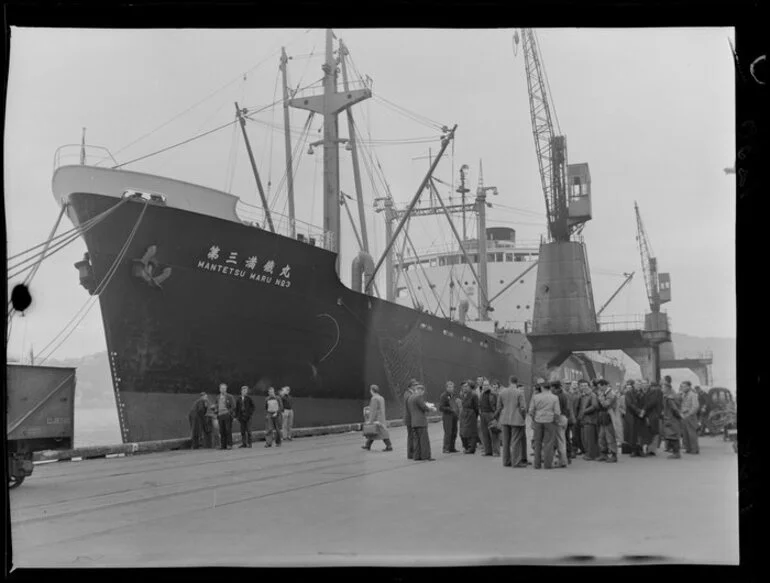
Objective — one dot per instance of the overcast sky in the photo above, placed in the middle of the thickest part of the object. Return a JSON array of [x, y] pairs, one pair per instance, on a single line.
[[651, 111]]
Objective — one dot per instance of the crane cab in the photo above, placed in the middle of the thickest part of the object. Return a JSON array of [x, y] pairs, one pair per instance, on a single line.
[[578, 193]]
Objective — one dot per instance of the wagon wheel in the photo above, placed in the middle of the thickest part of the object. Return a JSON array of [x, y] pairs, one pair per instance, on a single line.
[[14, 481]]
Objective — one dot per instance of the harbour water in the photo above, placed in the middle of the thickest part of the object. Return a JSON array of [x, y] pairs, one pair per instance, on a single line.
[[96, 427]]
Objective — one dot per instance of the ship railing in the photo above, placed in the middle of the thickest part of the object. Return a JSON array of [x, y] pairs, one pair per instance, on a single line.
[[518, 326], [695, 355], [621, 322], [77, 154], [530, 247], [303, 231]]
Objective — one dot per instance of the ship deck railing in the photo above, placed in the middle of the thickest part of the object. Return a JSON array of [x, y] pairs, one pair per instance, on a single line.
[[530, 248], [77, 154], [99, 156], [621, 322], [303, 231]]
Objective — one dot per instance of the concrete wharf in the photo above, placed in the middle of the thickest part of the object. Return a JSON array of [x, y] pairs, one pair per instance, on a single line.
[[324, 501]]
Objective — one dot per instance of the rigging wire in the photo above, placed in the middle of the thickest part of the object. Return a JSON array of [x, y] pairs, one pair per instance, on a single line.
[[168, 160], [73, 234], [272, 135], [296, 160], [232, 160], [91, 302], [216, 129], [193, 106]]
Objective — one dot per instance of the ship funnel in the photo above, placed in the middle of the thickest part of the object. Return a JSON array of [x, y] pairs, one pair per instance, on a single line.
[[462, 311], [363, 265]]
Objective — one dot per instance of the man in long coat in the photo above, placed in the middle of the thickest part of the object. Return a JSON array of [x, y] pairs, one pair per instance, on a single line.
[[408, 394], [511, 412], [635, 401], [377, 416], [574, 443], [689, 411], [487, 407], [417, 410], [244, 409], [672, 420], [449, 416], [201, 429], [588, 411], [653, 405], [469, 418]]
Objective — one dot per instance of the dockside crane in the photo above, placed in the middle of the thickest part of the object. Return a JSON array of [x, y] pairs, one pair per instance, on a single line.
[[566, 188], [658, 285]]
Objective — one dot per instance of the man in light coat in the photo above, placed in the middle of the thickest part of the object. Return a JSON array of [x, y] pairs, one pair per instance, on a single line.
[[511, 413], [529, 426], [417, 413], [225, 405], [377, 417], [544, 410], [689, 409]]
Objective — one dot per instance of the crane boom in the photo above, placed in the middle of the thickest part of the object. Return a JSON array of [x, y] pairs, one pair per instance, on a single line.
[[551, 148], [649, 263], [629, 276]]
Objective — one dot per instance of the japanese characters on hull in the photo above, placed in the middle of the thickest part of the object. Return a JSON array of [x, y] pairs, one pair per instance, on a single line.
[[248, 269]]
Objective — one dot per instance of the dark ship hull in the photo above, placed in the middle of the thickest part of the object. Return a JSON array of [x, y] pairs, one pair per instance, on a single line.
[[219, 317]]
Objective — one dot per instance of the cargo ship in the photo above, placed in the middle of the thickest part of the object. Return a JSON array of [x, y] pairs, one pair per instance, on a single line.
[[197, 288]]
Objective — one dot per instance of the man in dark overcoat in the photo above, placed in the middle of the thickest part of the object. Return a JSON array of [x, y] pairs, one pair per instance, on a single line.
[[201, 429], [588, 412], [449, 416], [469, 418], [408, 394], [635, 407], [653, 405], [244, 409]]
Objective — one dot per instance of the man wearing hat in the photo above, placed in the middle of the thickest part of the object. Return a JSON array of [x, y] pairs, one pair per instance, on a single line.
[[561, 424], [417, 410], [587, 413], [608, 446], [408, 394]]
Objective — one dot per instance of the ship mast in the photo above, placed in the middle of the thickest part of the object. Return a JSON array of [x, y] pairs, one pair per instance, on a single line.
[[330, 104], [287, 140], [364, 243]]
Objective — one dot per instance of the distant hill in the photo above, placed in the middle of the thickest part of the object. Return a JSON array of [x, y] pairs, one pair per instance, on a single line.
[[94, 380], [724, 370]]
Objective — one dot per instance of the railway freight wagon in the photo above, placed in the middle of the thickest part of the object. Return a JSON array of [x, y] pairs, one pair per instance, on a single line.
[[41, 414]]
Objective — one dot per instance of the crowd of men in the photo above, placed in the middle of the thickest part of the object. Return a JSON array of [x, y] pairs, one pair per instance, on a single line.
[[550, 424], [211, 423], [545, 425]]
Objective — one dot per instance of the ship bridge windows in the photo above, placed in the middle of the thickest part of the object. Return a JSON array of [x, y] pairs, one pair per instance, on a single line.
[[509, 257]]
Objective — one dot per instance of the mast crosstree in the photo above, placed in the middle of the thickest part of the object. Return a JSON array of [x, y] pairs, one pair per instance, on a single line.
[[329, 104]]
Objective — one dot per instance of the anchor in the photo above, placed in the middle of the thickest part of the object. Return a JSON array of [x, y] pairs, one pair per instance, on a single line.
[[147, 267]]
